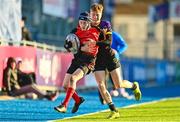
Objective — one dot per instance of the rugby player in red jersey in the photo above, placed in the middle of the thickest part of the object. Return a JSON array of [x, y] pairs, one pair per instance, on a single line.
[[83, 62]]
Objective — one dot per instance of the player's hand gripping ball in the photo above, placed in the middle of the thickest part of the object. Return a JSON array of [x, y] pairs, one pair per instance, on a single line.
[[72, 43]]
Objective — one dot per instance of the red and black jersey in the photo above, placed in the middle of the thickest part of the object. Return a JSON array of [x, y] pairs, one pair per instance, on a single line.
[[86, 35]]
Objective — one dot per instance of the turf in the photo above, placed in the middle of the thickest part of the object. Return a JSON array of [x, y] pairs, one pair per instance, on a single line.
[[21, 110], [162, 111]]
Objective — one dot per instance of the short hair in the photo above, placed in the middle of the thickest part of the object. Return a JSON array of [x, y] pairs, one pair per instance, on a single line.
[[24, 18], [97, 7]]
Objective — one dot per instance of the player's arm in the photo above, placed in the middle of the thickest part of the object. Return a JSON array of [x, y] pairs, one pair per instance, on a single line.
[[89, 46], [105, 38], [122, 45]]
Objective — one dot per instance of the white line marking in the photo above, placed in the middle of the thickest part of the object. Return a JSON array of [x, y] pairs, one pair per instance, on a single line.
[[128, 106]]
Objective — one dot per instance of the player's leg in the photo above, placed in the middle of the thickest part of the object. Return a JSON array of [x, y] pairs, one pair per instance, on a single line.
[[66, 81], [77, 75], [100, 96], [65, 85], [120, 83], [123, 91], [114, 67], [86, 70], [100, 65], [100, 78]]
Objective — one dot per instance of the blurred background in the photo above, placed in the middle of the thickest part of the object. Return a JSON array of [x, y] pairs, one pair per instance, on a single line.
[[151, 28]]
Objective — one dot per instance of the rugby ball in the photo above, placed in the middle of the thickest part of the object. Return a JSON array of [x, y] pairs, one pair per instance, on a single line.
[[74, 41]]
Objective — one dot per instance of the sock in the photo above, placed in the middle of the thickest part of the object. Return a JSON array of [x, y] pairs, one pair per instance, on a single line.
[[76, 97], [134, 87], [112, 107], [69, 93]]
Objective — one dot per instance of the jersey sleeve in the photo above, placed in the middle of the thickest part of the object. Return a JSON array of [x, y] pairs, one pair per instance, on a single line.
[[118, 43], [105, 39]]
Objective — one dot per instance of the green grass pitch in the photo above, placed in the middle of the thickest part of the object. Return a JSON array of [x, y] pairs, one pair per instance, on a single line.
[[160, 111]]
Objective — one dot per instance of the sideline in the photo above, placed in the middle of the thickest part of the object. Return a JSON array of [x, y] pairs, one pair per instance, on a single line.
[[128, 106]]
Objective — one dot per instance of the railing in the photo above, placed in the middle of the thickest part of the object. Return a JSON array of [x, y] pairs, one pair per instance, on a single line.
[[35, 44]]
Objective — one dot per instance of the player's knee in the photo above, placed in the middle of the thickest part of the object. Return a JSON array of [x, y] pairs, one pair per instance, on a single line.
[[101, 86], [117, 86], [100, 82], [65, 87], [72, 79]]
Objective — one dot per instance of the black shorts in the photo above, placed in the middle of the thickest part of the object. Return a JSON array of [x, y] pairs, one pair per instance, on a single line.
[[106, 59], [84, 62]]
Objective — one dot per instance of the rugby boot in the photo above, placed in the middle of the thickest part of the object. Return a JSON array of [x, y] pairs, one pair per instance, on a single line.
[[61, 108], [137, 91], [76, 105], [114, 115]]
